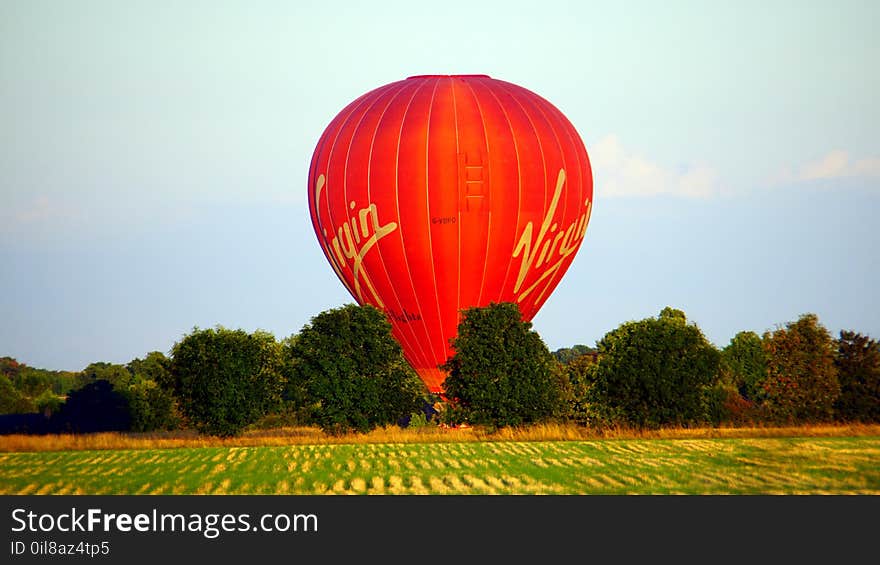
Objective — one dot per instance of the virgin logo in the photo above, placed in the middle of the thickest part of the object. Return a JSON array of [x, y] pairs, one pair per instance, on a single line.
[[552, 246], [352, 241]]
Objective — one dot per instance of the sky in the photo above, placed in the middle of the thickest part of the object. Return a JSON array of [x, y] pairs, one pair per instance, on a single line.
[[154, 158]]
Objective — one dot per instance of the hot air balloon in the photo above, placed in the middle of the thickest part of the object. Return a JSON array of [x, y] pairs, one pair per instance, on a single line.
[[438, 193]]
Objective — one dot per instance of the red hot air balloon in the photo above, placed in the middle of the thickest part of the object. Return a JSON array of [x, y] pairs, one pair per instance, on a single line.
[[438, 193]]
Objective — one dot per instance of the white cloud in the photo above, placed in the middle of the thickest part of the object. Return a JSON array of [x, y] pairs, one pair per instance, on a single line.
[[832, 165], [619, 173], [37, 214], [868, 167], [835, 164], [40, 209]]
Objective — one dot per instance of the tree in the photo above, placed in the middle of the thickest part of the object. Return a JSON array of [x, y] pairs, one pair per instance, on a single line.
[[12, 401], [154, 367], [150, 394], [738, 397], [348, 367], [226, 379], [502, 373], [10, 367], [579, 390], [858, 371], [151, 407], [116, 375], [96, 407], [744, 364], [656, 371], [30, 390], [48, 403], [801, 384], [33, 382], [566, 355]]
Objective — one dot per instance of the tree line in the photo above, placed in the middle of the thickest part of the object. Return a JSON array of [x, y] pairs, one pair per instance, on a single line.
[[662, 371], [101, 397], [345, 372]]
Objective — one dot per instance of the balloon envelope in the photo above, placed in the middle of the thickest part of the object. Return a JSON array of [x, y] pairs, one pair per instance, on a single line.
[[442, 192]]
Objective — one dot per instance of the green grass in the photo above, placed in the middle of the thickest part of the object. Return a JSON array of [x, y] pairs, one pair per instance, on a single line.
[[786, 465]]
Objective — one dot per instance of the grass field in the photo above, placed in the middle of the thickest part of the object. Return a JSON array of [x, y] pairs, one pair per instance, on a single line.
[[788, 464]]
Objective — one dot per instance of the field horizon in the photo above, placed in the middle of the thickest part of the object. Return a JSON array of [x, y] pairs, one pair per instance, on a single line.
[[305, 435]]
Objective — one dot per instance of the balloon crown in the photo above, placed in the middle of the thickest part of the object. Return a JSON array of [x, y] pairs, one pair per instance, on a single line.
[[448, 76]]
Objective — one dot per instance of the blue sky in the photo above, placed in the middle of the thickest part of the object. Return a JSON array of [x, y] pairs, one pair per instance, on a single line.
[[155, 154]]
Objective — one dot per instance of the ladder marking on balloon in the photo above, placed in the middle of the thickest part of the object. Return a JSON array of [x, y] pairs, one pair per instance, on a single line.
[[489, 227]]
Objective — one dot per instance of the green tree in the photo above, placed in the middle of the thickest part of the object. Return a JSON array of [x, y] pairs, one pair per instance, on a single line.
[[670, 313], [744, 365], [579, 391], [297, 407], [349, 369], [153, 367], [151, 407], [226, 379], [12, 401], [10, 367], [96, 407], [801, 383], [566, 355], [48, 403], [656, 371], [858, 370], [150, 394], [33, 382], [64, 382], [116, 375], [502, 373]]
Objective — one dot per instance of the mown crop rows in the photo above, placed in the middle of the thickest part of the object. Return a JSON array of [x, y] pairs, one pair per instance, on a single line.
[[702, 466]]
